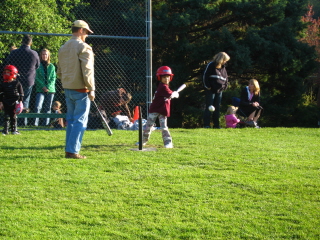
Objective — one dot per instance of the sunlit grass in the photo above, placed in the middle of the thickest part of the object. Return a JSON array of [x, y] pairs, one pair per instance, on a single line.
[[215, 184]]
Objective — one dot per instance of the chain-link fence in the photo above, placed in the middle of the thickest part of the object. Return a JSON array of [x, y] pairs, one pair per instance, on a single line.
[[119, 44]]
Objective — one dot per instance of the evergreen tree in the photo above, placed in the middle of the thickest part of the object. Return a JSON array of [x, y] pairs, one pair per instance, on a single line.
[[261, 37]]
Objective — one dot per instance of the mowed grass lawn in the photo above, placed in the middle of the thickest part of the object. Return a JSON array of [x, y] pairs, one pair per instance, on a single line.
[[215, 184]]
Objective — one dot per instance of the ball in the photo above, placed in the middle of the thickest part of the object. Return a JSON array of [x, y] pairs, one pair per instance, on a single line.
[[211, 108]]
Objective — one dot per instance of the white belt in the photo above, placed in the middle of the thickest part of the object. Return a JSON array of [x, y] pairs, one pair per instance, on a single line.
[[217, 76]]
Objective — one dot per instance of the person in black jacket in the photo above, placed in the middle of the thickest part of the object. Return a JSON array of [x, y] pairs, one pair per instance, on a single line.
[[215, 81], [10, 92], [250, 103], [26, 61]]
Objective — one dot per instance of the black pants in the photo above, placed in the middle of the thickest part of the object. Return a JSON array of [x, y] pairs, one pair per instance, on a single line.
[[10, 118], [213, 99]]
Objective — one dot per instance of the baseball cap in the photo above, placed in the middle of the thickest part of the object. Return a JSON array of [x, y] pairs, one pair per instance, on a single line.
[[81, 24]]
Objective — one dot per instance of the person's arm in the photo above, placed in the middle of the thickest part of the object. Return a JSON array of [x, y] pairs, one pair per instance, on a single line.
[[51, 77], [37, 59], [20, 91], [235, 119], [39, 80], [207, 72], [244, 101], [127, 111], [58, 71], [86, 58]]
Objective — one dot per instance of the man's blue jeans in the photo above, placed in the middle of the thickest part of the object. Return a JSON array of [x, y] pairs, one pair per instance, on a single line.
[[78, 107], [44, 102], [27, 93]]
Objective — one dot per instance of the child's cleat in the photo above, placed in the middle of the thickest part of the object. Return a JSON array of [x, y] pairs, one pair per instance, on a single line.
[[15, 133], [169, 145], [4, 133]]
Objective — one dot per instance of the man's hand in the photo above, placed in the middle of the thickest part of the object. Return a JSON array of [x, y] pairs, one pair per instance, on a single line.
[[91, 95], [1, 106]]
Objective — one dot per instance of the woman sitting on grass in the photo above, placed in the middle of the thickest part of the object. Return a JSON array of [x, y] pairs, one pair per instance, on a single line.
[[250, 103]]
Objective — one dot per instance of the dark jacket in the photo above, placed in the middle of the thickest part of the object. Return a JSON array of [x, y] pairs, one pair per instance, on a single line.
[[26, 61], [10, 92], [215, 79], [246, 104]]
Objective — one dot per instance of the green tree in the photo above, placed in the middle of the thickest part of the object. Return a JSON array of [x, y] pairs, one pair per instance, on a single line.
[[45, 16], [261, 36]]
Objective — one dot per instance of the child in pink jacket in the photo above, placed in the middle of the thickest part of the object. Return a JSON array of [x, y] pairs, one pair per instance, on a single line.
[[231, 119]]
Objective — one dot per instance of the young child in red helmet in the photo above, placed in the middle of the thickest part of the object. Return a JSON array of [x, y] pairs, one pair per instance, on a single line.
[[160, 107], [11, 97]]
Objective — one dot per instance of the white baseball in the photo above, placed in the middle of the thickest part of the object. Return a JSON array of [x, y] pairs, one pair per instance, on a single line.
[[211, 108]]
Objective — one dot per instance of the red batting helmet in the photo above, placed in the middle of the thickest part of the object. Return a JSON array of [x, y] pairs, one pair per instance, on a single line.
[[164, 70], [13, 72]]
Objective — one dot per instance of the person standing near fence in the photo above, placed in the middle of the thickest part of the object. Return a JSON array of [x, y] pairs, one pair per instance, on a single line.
[[11, 92], [27, 62], [76, 72], [45, 86], [215, 81]]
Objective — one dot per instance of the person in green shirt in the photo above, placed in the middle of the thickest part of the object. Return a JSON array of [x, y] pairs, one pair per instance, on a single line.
[[45, 86]]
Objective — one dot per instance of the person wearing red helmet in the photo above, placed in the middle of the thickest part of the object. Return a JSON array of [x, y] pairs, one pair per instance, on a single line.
[[11, 91], [160, 106]]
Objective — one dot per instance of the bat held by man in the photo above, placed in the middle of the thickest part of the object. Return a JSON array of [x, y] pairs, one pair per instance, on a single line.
[[103, 120]]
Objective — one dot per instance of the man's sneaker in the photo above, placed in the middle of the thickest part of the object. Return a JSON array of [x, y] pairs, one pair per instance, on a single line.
[[75, 156], [4, 133], [15, 133], [143, 144], [169, 145]]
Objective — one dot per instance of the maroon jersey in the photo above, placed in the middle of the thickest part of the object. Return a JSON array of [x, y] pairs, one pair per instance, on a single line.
[[161, 102]]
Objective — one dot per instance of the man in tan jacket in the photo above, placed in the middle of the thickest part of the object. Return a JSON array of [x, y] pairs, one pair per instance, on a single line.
[[76, 72]]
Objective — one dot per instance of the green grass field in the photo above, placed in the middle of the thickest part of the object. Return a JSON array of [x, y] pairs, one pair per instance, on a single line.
[[215, 184]]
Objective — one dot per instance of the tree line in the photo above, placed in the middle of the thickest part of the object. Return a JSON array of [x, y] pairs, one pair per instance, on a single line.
[[262, 37]]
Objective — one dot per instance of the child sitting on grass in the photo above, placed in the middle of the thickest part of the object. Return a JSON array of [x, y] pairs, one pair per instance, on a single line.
[[57, 122], [231, 119]]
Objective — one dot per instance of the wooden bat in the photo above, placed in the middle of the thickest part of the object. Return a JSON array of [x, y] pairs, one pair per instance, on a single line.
[[103, 120]]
